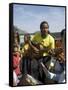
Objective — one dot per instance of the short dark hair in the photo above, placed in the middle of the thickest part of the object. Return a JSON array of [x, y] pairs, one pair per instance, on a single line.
[[27, 35], [18, 38], [44, 22], [63, 32]]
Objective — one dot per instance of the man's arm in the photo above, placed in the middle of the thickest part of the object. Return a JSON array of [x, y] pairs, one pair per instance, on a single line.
[[33, 47]]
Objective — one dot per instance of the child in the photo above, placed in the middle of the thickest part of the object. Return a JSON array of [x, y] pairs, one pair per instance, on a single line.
[[16, 64], [26, 62]]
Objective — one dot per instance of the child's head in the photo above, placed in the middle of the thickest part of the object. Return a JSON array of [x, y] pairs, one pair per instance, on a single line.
[[15, 48], [15, 41], [16, 36], [26, 38], [44, 27], [63, 38]]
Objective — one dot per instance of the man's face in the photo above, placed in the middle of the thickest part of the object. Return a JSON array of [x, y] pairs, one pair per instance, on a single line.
[[44, 29]]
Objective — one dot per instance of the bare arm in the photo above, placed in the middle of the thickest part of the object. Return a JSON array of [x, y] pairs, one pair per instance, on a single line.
[[33, 47]]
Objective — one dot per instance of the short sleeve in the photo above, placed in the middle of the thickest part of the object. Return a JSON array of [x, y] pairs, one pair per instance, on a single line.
[[52, 42]]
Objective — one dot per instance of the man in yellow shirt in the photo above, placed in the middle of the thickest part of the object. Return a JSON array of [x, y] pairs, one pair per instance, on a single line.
[[45, 40]]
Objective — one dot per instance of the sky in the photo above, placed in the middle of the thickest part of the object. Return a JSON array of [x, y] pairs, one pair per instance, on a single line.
[[29, 17]]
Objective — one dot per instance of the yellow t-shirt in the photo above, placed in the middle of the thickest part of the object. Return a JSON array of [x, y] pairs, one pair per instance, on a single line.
[[25, 48], [48, 41]]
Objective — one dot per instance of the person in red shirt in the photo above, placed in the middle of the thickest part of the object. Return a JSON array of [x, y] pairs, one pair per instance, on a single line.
[[16, 61]]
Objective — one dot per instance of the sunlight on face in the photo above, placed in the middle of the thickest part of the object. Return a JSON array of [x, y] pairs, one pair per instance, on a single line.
[[44, 29]]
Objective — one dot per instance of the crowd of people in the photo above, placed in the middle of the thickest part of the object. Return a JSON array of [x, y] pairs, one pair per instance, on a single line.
[[41, 47]]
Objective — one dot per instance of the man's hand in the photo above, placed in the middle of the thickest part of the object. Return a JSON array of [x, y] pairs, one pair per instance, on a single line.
[[51, 52], [35, 49]]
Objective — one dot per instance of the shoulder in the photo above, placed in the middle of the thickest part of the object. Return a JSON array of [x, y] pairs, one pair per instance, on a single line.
[[26, 45], [36, 35], [51, 37]]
